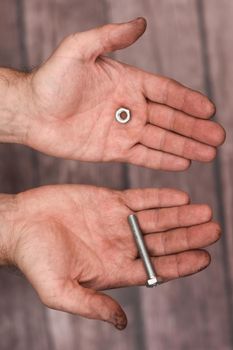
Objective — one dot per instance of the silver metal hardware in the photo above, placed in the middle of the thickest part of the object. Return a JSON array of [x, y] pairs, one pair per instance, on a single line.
[[123, 115], [143, 252]]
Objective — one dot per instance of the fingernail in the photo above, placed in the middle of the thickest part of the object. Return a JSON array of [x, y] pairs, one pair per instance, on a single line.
[[135, 19], [160, 280], [120, 327], [120, 321], [205, 261]]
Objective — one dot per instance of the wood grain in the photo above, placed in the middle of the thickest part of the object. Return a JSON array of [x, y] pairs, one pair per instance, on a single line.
[[172, 47], [189, 41], [218, 32], [22, 319]]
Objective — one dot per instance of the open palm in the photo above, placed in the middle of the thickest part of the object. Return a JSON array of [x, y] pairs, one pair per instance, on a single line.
[[73, 241], [76, 93]]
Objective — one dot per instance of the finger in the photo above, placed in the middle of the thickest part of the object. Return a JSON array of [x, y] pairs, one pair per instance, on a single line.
[[171, 93], [205, 131], [88, 303], [182, 239], [168, 267], [167, 141], [150, 158], [157, 220], [139, 199], [111, 37]]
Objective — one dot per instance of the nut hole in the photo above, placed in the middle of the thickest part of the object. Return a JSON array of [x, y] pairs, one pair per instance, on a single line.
[[123, 115]]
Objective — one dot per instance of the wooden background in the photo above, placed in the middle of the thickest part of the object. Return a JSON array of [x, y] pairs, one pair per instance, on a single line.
[[190, 41]]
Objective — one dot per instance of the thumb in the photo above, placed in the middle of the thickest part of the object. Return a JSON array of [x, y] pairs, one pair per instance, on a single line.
[[111, 37], [91, 304]]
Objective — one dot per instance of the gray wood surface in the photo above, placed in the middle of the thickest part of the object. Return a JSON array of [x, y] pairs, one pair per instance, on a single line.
[[176, 50], [219, 53], [189, 41]]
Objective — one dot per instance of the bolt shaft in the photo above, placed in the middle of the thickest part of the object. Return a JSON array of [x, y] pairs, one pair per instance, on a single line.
[[143, 252]]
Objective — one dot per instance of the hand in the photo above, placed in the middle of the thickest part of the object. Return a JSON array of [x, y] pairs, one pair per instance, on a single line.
[[71, 242], [75, 94]]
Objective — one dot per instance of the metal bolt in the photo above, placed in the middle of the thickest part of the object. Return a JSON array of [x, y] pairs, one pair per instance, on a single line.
[[123, 115], [143, 252]]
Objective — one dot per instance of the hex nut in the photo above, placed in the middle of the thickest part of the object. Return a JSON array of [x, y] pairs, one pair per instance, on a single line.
[[119, 118]]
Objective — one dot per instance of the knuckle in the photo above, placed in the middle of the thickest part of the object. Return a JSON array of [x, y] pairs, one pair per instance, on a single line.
[[186, 237], [163, 138], [161, 192], [164, 243], [179, 212], [172, 115], [184, 145], [156, 218]]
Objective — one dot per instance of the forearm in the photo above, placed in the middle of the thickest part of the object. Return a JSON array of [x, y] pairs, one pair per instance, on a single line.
[[8, 208], [14, 92]]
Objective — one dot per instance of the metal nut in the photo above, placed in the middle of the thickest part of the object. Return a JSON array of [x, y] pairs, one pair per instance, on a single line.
[[123, 115]]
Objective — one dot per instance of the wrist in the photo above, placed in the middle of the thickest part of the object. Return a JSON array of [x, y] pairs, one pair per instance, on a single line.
[[14, 95], [8, 209]]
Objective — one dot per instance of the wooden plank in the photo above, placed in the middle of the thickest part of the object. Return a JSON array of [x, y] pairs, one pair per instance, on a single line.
[[21, 311], [46, 24], [158, 52], [13, 159], [181, 314], [218, 31]]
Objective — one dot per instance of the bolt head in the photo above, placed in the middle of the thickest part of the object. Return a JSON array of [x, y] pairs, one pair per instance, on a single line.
[[152, 282]]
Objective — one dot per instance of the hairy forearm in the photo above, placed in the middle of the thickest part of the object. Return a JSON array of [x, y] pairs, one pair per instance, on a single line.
[[8, 208], [14, 95]]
